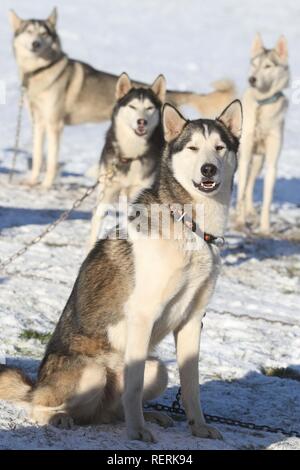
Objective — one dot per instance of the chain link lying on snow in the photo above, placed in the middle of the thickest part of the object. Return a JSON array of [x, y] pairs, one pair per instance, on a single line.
[[176, 409], [104, 178], [249, 317], [18, 133]]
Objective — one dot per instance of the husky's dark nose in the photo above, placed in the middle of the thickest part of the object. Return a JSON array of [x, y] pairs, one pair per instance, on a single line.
[[208, 170], [252, 80], [36, 45], [142, 122]]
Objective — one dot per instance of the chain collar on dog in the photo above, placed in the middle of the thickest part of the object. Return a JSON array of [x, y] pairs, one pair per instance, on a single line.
[[29, 75], [271, 99], [183, 217]]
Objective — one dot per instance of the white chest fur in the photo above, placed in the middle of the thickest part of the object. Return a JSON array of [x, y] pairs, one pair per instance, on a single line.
[[260, 120], [167, 280], [135, 175], [131, 145]]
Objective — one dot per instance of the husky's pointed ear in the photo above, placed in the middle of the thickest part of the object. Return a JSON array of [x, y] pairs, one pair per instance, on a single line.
[[15, 20], [123, 86], [52, 18], [159, 87], [282, 48], [173, 122], [232, 118], [257, 45]]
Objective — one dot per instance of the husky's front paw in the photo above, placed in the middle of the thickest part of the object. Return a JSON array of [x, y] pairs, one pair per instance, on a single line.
[[251, 213], [47, 183], [264, 229], [205, 431], [30, 181], [141, 434]]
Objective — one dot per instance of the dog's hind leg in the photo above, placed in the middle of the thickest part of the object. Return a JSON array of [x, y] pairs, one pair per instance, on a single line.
[[58, 380], [155, 383], [72, 396], [255, 169], [86, 406], [155, 379]]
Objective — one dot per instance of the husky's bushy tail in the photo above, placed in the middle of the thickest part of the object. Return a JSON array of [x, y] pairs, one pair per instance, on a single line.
[[225, 85], [209, 105], [14, 385]]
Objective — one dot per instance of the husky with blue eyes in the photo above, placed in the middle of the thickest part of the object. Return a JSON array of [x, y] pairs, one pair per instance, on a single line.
[[265, 107]]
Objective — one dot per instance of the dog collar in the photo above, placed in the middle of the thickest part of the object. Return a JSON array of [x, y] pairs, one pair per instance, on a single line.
[[272, 99], [29, 75], [190, 223]]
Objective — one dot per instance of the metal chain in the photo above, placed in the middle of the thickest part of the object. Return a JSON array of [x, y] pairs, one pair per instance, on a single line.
[[176, 409], [18, 133], [104, 178], [249, 317]]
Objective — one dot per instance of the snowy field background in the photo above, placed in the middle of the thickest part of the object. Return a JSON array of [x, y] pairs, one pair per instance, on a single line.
[[253, 323]]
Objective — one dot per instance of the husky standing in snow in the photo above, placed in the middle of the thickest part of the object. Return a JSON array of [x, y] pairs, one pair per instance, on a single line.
[[265, 107], [133, 143], [130, 293], [63, 91]]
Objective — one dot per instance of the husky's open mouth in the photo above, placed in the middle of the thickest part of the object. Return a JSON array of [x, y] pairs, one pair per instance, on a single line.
[[141, 131], [207, 186]]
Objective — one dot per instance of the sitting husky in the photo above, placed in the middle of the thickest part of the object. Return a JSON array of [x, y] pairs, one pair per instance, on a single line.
[[265, 107], [130, 293], [133, 144], [63, 91]]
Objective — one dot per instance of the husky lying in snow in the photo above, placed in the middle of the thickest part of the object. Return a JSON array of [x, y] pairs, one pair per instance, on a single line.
[[63, 91], [130, 293], [265, 107], [134, 143]]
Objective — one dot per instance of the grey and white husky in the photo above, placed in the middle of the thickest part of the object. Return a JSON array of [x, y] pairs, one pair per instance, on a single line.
[[130, 293], [133, 144], [265, 107], [64, 91]]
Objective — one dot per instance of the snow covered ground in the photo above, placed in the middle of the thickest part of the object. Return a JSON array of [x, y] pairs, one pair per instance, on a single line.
[[253, 322]]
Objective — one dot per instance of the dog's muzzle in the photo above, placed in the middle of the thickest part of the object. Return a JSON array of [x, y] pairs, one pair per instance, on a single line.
[[252, 81], [141, 129]]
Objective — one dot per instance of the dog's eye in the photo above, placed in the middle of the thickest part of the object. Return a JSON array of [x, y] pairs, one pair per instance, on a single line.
[[219, 148], [191, 147], [268, 66], [132, 107], [150, 108]]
